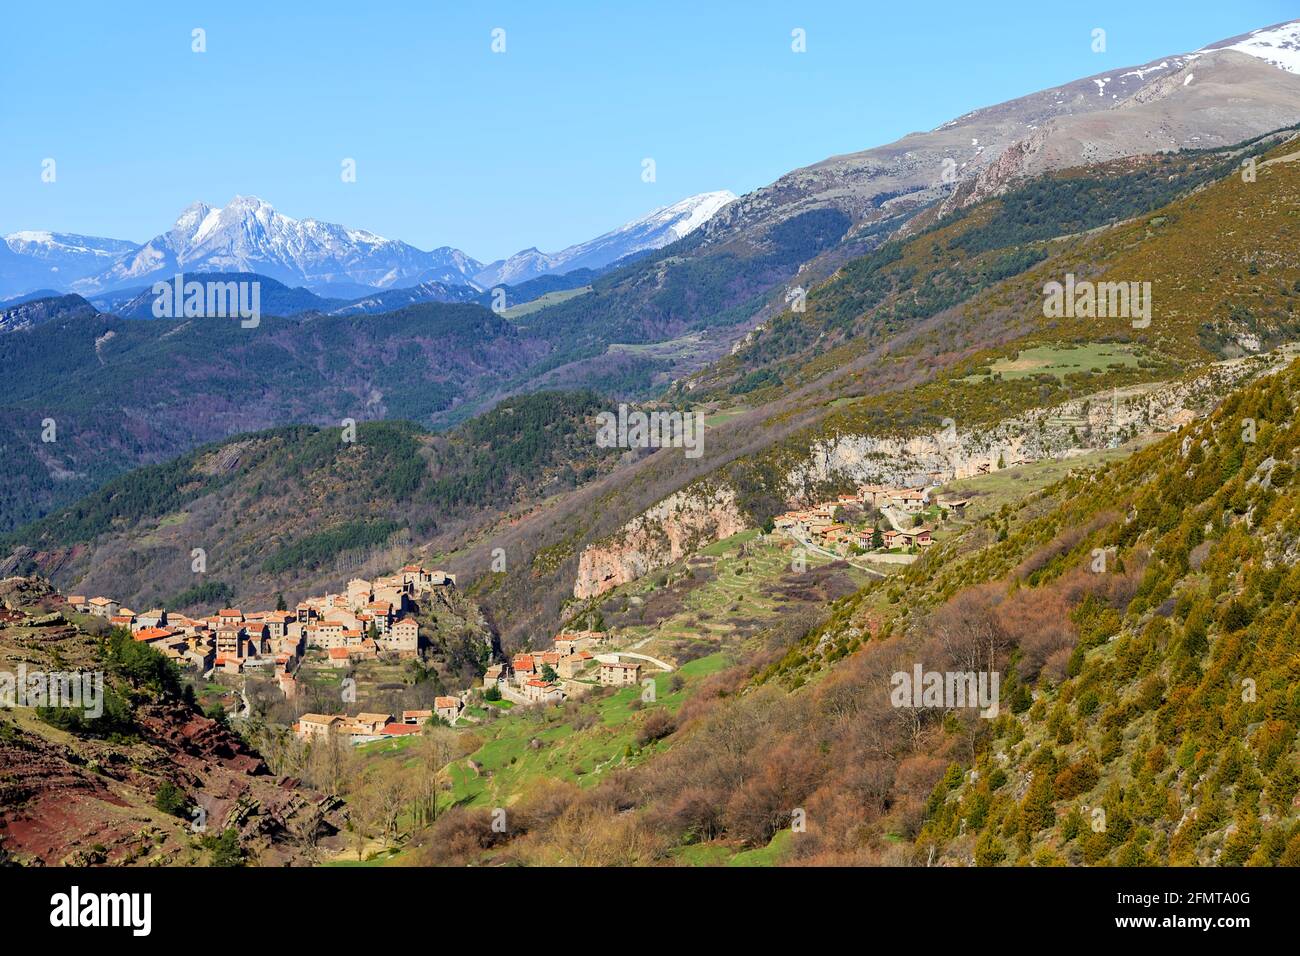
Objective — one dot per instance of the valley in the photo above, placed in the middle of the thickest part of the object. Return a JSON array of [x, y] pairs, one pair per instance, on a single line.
[[1028, 425]]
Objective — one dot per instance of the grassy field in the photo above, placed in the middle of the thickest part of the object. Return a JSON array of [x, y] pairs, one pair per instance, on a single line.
[[578, 743], [1062, 360], [991, 492], [673, 349], [541, 302], [723, 854], [724, 415]]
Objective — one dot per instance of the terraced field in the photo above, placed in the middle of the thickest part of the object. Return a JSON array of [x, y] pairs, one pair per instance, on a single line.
[[748, 581], [579, 742]]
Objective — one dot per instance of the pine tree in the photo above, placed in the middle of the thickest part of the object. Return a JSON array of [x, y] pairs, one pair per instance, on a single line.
[[988, 850], [1037, 808]]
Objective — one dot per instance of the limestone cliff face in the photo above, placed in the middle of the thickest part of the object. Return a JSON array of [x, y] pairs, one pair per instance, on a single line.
[[683, 522], [692, 518], [1103, 420]]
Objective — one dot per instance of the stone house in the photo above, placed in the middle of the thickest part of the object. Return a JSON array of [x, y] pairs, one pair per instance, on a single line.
[[618, 673]]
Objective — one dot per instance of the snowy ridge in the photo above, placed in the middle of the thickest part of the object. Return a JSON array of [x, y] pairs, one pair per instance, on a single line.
[[1278, 45], [249, 235], [655, 230]]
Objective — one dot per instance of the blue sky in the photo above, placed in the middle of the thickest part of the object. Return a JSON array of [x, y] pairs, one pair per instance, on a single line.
[[541, 145]]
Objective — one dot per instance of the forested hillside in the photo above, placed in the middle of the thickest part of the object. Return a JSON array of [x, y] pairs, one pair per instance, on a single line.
[[277, 509], [1142, 620]]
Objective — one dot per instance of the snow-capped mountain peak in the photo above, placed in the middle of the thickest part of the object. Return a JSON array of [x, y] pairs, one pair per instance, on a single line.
[[249, 235], [685, 217], [654, 230]]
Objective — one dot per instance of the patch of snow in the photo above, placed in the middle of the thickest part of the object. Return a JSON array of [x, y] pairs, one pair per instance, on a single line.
[[1278, 45]]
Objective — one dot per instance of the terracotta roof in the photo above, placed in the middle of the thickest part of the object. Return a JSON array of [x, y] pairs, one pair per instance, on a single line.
[[319, 718], [154, 633], [400, 730], [338, 653], [441, 702]]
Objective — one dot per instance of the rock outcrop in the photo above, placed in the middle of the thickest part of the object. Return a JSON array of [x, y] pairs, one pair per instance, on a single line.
[[1073, 428], [683, 522]]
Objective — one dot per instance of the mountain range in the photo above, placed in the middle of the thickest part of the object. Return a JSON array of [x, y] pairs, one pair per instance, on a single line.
[[630, 330], [249, 235]]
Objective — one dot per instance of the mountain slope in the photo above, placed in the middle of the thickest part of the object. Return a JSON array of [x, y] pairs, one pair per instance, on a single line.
[[366, 501], [877, 413], [125, 392], [737, 270], [1146, 706], [32, 312]]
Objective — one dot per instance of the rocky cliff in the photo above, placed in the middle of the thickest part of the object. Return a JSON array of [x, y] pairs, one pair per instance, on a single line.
[[683, 522], [1103, 420], [693, 517]]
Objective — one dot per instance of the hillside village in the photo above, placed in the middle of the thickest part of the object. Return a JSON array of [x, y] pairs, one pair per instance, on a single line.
[[844, 526], [370, 618], [529, 678]]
